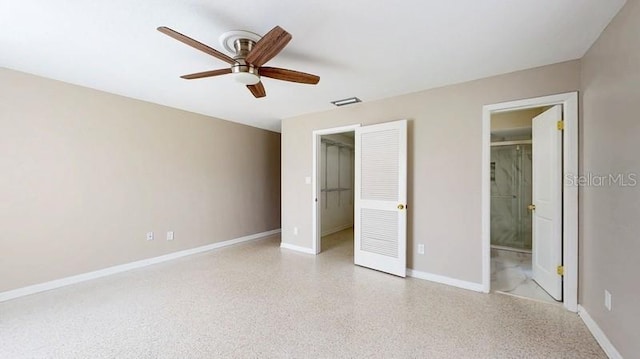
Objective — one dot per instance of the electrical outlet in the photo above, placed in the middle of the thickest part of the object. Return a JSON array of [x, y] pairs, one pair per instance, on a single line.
[[149, 236], [295, 231], [170, 235], [607, 300], [420, 248]]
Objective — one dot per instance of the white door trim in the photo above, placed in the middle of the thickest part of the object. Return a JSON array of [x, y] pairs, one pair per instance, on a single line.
[[315, 188], [569, 101]]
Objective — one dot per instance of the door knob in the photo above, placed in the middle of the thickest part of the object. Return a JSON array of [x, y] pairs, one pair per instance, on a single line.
[[400, 206], [531, 207]]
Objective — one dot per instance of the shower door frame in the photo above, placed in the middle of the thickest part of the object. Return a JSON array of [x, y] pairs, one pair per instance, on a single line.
[[569, 102], [511, 143]]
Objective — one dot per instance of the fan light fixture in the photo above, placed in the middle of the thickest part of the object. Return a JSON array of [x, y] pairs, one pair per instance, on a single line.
[[246, 78]]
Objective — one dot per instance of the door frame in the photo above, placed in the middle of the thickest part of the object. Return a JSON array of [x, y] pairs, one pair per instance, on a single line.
[[569, 102], [315, 181]]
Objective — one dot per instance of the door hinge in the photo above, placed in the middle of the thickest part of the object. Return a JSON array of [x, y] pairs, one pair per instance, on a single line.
[[560, 270], [560, 125]]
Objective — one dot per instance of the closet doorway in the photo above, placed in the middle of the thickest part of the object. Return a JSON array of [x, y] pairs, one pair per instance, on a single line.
[[334, 165], [379, 194]]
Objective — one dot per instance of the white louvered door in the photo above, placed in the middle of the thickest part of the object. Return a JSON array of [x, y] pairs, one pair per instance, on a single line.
[[381, 197]]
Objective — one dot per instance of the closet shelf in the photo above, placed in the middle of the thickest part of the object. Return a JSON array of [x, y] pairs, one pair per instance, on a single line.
[[336, 144], [335, 189]]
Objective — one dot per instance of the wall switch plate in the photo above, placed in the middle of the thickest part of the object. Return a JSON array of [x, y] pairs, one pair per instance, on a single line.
[[307, 180], [170, 235], [607, 300], [295, 231], [420, 248], [149, 236]]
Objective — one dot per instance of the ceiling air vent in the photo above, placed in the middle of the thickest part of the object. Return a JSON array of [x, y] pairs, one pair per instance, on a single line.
[[346, 101]]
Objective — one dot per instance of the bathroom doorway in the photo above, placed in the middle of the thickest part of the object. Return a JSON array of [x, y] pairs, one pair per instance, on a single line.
[[529, 220], [511, 198]]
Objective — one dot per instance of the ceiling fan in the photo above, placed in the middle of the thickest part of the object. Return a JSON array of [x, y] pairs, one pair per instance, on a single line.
[[251, 52]]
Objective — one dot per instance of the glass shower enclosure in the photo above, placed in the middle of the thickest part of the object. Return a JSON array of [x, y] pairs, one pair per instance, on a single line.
[[511, 193]]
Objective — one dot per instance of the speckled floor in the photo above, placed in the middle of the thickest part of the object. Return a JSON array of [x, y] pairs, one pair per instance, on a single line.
[[256, 300], [511, 274]]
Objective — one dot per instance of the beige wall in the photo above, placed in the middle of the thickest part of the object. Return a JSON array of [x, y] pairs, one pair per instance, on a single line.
[[609, 216], [514, 119], [444, 178], [86, 174]]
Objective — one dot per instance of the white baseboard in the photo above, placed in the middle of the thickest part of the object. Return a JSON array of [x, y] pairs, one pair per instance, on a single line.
[[597, 333], [296, 248], [41, 287], [476, 287], [336, 229]]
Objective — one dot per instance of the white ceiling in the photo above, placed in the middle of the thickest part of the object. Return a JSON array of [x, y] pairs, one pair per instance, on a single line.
[[372, 49]]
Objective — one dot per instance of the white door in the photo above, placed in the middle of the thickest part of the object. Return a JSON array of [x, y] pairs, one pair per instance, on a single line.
[[381, 197], [547, 199]]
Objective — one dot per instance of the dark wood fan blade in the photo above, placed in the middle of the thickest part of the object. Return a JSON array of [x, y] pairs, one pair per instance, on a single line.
[[257, 90], [200, 75], [269, 46], [288, 75], [196, 44]]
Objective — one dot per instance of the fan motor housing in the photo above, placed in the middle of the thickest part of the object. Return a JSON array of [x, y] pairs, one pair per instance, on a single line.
[[243, 67], [243, 72]]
